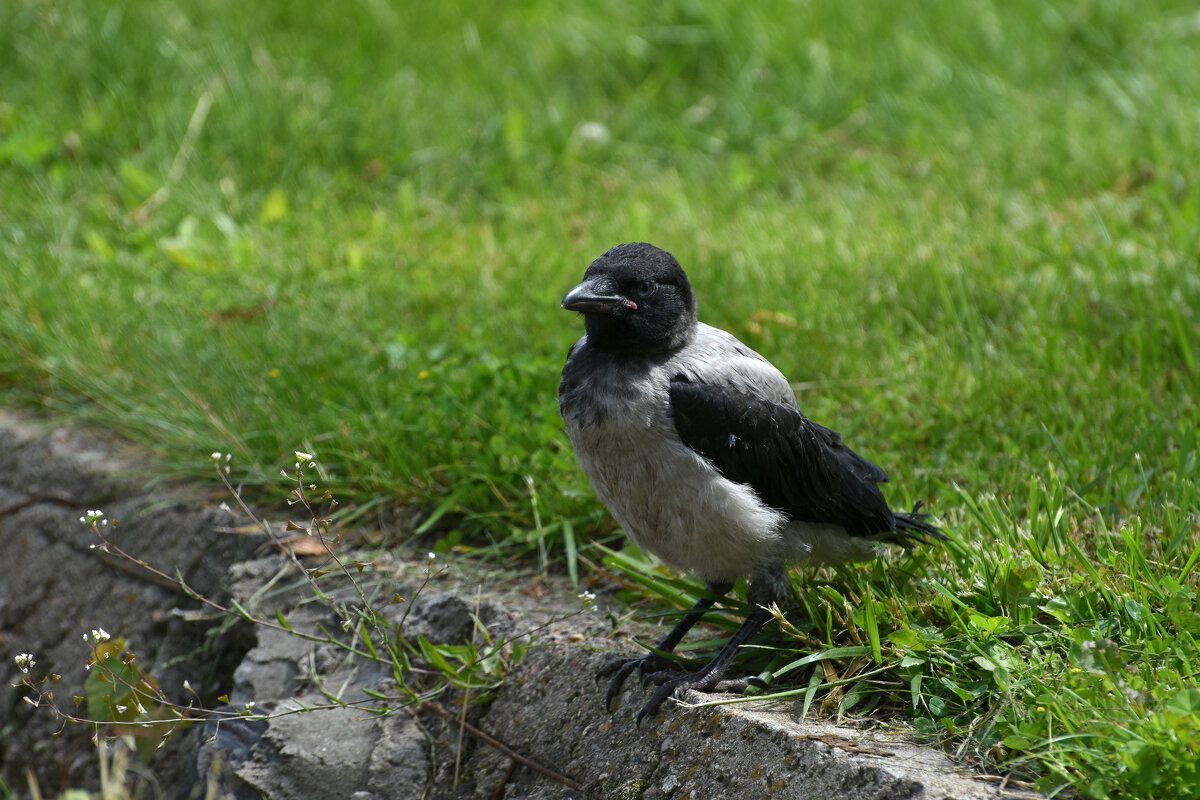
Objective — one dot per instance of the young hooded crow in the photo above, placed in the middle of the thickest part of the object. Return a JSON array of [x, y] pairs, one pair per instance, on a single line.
[[696, 445]]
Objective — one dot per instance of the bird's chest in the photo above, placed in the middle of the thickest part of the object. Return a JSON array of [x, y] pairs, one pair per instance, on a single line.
[[667, 497], [625, 444], [631, 458]]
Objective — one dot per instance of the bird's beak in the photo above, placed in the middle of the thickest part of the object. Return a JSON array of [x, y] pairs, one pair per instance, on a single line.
[[594, 296]]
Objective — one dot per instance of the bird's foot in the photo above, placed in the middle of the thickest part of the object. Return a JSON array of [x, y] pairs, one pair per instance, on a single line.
[[648, 667], [655, 669], [706, 680]]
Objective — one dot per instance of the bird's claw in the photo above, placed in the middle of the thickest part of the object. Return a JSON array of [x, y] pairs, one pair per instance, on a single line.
[[704, 681], [654, 669], [648, 667], [659, 678]]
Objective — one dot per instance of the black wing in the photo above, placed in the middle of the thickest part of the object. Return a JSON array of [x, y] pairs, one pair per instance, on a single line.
[[792, 463]]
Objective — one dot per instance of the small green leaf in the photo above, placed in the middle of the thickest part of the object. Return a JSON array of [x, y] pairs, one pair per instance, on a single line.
[[906, 638], [434, 656], [926, 725], [1184, 702], [98, 244], [989, 625], [274, 208], [985, 663]]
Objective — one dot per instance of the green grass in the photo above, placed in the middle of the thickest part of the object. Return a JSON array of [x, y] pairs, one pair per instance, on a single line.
[[970, 236]]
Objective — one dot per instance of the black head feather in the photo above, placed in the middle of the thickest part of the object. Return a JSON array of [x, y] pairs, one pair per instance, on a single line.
[[635, 298]]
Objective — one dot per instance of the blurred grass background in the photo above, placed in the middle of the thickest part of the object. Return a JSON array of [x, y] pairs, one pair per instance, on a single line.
[[968, 234]]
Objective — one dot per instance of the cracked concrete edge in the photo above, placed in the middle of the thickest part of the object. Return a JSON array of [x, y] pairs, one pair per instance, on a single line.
[[549, 709], [756, 749]]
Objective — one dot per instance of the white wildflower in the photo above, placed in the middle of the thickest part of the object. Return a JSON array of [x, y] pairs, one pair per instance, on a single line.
[[25, 662]]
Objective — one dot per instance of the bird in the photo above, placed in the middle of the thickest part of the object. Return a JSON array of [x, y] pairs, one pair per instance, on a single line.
[[696, 445]]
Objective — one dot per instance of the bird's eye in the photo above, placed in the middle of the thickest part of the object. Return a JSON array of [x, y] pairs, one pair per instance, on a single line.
[[646, 289]]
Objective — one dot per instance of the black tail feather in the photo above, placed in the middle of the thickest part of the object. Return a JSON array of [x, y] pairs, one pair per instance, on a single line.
[[911, 527]]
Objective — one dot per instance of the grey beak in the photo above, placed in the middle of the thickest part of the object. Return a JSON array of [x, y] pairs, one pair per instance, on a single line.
[[595, 296]]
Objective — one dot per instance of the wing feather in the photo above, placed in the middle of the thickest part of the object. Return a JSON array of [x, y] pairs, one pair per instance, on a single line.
[[792, 463]]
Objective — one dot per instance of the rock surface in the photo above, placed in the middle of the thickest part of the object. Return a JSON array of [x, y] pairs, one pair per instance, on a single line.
[[756, 749], [55, 588], [548, 711]]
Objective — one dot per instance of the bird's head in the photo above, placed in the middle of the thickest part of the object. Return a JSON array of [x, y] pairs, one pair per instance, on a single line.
[[636, 298]]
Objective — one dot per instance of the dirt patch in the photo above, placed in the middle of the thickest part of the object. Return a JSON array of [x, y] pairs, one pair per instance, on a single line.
[[57, 588]]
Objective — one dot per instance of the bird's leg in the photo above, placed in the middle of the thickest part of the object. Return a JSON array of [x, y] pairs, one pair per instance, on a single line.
[[765, 590], [709, 676], [653, 663]]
